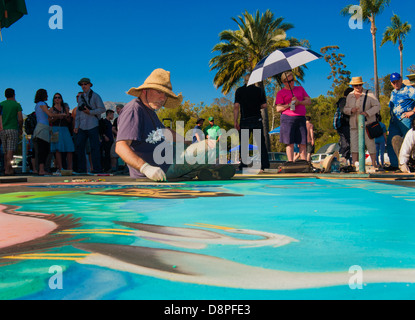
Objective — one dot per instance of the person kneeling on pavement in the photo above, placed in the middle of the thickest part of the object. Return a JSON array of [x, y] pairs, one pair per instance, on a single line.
[[150, 150]]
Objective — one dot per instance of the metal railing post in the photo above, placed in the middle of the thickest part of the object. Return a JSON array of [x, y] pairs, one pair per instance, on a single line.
[[362, 159]]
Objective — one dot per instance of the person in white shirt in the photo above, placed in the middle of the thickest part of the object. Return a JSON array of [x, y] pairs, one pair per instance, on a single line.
[[407, 149]]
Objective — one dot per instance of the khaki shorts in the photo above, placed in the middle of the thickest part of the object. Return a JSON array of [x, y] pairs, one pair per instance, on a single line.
[[354, 142]]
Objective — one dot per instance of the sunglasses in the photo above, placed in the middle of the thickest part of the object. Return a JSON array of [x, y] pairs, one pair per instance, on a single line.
[[287, 81], [84, 84], [57, 98], [357, 85]]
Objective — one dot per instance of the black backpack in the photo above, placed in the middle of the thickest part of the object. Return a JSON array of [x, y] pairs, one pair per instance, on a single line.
[[337, 119], [30, 123]]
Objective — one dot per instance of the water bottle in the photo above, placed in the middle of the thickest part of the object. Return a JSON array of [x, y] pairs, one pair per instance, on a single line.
[[292, 106]]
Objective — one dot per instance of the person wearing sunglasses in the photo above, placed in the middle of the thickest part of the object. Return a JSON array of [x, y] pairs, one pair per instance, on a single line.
[[61, 145], [402, 110], [361, 102], [291, 102]]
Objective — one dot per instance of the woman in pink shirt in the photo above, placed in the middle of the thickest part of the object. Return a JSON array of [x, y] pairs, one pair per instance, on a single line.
[[291, 102]]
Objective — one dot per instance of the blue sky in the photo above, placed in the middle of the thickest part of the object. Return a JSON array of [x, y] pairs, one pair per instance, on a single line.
[[118, 43]]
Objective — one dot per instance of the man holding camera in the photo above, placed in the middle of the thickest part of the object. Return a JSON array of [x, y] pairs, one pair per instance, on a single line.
[[90, 108]]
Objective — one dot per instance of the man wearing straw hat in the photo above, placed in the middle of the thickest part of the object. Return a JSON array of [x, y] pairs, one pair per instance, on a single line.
[[141, 137], [361, 103], [402, 109]]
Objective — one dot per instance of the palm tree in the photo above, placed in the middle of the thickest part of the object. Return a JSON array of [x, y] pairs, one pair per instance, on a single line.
[[239, 51], [396, 33], [370, 9]]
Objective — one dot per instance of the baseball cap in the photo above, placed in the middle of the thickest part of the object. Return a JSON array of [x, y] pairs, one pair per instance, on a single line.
[[211, 119], [395, 76]]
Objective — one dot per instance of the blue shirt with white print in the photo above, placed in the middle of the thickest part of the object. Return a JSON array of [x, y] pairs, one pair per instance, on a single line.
[[402, 100]]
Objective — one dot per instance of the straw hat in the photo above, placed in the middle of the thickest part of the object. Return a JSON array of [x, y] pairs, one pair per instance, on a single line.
[[356, 81], [329, 159], [159, 79], [408, 82]]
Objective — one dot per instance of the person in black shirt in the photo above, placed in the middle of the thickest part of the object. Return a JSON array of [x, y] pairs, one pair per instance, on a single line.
[[249, 100]]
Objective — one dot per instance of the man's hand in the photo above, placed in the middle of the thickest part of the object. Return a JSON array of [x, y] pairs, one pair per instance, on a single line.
[[153, 173]]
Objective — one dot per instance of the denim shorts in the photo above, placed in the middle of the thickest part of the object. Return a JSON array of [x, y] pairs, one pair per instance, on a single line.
[[293, 129]]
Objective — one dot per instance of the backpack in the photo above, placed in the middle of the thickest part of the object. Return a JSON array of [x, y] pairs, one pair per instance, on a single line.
[[30, 123], [338, 115], [337, 119]]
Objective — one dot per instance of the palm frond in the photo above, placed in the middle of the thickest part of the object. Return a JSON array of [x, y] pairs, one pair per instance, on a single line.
[[239, 51]]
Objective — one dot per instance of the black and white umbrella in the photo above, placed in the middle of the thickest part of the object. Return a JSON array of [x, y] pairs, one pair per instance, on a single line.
[[282, 60]]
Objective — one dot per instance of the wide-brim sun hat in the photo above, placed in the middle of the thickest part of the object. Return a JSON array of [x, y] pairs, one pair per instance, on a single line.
[[408, 82], [328, 160], [85, 80], [159, 79], [411, 77], [356, 81]]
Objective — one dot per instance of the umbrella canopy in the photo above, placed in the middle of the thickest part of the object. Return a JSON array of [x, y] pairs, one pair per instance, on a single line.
[[275, 131], [251, 147], [282, 60], [11, 11]]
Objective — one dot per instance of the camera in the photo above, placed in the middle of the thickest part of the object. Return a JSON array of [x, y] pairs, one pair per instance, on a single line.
[[83, 107]]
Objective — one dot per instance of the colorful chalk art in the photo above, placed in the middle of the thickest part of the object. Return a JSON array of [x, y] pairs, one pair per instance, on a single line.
[[256, 239]]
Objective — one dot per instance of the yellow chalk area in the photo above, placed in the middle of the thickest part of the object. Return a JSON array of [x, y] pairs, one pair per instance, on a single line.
[[210, 226], [49, 256], [118, 232]]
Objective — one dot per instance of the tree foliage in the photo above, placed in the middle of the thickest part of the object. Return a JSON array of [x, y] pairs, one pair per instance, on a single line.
[[370, 9], [240, 50], [339, 73], [396, 33]]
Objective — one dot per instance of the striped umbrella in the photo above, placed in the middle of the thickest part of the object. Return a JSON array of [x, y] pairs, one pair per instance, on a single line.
[[282, 60]]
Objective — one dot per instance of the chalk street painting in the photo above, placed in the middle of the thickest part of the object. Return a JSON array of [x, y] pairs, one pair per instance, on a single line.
[[265, 239]]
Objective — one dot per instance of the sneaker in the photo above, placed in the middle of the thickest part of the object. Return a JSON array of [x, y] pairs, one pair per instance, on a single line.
[[220, 173]]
